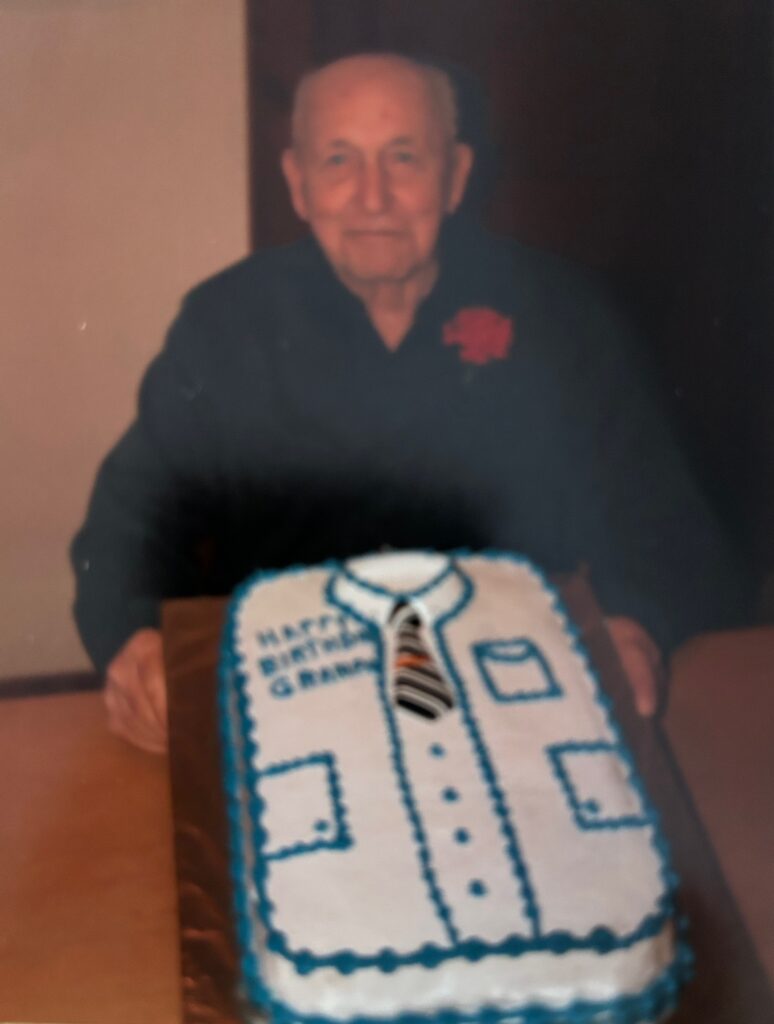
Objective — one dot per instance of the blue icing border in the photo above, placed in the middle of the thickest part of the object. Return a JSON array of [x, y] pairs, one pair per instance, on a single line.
[[495, 650], [586, 816], [649, 1005], [341, 839], [250, 968]]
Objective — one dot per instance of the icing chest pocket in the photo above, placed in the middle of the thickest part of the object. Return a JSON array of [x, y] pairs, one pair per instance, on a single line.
[[515, 670], [303, 807], [596, 781]]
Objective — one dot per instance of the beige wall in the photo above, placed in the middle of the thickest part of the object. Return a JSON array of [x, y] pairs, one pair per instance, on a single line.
[[123, 180]]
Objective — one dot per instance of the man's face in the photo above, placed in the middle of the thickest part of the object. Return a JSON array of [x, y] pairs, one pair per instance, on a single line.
[[374, 173]]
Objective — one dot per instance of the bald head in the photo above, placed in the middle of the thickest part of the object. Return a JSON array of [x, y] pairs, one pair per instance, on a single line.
[[432, 86], [375, 166]]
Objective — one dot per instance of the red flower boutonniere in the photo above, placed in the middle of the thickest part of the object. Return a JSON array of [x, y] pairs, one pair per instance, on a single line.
[[481, 333]]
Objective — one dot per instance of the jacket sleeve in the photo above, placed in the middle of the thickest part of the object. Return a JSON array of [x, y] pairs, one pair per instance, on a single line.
[[149, 506], [655, 547]]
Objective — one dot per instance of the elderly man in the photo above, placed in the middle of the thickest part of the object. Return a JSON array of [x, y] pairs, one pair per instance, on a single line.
[[397, 379]]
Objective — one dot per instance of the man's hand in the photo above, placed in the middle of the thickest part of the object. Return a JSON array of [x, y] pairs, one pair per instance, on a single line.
[[136, 692], [641, 661]]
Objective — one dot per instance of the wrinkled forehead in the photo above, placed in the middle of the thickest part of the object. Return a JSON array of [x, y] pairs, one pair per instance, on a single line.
[[369, 105]]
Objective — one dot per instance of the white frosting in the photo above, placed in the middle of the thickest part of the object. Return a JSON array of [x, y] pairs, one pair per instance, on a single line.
[[546, 831]]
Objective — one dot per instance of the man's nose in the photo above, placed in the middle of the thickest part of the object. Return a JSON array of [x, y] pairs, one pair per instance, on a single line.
[[374, 188]]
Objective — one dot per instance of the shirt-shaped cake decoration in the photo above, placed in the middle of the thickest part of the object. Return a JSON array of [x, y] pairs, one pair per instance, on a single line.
[[493, 859]]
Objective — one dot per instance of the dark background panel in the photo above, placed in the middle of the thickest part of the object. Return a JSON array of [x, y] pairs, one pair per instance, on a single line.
[[633, 136]]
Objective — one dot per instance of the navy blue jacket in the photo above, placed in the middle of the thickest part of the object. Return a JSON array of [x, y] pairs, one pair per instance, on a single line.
[[276, 428]]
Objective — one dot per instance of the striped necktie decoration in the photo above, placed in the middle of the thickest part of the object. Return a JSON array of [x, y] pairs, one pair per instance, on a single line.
[[419, 686]]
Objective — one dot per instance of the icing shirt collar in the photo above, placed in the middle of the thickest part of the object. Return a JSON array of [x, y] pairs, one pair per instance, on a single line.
[[370, 586]]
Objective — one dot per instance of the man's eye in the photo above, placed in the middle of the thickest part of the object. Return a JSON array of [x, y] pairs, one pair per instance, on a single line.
[[336, 160], [404, 156]]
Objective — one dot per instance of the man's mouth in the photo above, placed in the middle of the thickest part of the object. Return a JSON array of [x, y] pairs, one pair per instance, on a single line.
[[374, 232]]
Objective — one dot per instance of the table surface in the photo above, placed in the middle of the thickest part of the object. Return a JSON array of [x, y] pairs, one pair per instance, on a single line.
[[719, 725], [730, 986], [88, 910]]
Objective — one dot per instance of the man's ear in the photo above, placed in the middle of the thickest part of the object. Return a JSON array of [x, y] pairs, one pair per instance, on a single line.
[[294, 177], [461, 165]]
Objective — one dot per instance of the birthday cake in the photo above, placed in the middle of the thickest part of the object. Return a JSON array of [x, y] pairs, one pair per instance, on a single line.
[[433, 816]]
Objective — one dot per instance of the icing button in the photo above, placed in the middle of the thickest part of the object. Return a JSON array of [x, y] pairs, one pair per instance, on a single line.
[[592, 806], [477, 888], [321, 826], [437, 750], [450, 794], [462, 835]]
